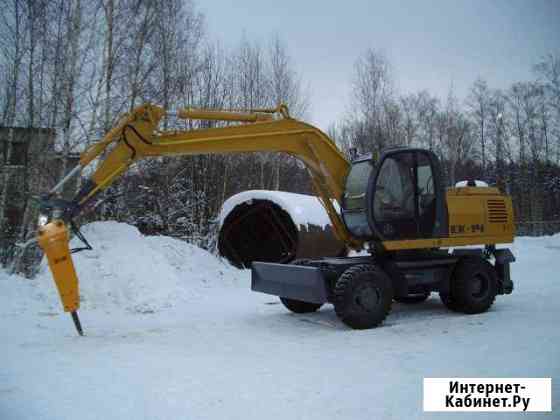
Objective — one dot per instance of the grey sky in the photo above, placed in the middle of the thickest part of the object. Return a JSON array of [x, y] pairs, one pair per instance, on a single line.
[[431, 44]]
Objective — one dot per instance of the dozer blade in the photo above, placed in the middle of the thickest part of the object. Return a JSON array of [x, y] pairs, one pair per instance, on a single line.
[[289, 281], [53, 239]]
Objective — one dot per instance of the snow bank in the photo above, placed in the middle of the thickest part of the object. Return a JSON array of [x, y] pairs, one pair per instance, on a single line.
[[17, 293], [528, 243], [303, 209], [126, 269]]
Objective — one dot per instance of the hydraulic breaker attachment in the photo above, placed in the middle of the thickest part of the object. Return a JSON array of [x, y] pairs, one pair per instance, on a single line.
[[53, 238]]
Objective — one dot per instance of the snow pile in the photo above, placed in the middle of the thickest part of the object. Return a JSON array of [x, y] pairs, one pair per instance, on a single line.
[[139, 273], [303, 209]]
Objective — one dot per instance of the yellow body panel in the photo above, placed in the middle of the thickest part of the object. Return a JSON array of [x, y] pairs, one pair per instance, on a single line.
[[476, 215], [479, 212], [196, 114], [53, 239], [445, 242]]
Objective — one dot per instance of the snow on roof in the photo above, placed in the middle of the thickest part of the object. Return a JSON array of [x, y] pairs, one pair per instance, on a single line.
[[477, 182], [303, 209]]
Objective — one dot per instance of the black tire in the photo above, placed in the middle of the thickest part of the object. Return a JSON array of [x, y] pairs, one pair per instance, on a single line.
[[412, 299], [449, 302], [363, 296], [299, 306], [474, 286]]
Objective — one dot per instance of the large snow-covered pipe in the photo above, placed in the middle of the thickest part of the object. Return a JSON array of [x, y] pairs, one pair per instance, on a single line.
[[275, 226]]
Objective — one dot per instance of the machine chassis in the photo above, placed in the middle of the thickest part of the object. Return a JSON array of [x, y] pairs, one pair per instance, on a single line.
[[411, 273]]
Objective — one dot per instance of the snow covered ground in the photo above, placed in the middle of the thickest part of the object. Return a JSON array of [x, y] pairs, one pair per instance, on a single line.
[[174, 333]]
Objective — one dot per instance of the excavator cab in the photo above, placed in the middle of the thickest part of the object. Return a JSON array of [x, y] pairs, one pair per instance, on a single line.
[[400, 197]]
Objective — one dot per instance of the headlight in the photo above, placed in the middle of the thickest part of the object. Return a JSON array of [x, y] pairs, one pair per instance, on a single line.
[[43, 220]]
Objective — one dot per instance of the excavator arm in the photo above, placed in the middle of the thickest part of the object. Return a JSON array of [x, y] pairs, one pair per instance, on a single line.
[[137, 136]]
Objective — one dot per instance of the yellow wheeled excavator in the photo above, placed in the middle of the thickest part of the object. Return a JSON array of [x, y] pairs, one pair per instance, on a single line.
[[394, 208]]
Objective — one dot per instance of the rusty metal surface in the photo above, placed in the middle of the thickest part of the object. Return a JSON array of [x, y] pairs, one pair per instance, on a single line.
[[260, 230]]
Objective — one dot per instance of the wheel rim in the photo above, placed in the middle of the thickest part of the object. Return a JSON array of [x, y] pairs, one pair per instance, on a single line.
[[479, 286], [366, 298]]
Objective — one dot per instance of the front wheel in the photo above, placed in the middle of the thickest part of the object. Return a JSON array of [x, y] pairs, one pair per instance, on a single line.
[[474, 286], [363, 296]]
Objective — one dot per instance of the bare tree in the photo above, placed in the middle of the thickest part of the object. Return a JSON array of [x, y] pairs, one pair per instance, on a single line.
[[109, 56], [140, 63], [372, 104], [410, 109], [477, 103], [285, 88], [496, 132], [427, 111], [251, 89], [548, 71], [13, 49], [455, 136]]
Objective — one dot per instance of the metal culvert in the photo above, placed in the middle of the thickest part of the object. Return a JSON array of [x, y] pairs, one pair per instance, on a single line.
[[275, 226]]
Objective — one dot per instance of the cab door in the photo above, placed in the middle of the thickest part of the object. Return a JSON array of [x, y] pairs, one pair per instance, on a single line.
[[406, 196]]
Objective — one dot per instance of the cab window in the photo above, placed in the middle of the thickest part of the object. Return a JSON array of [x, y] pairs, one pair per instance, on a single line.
[[426, 196], [404, 204], [394, 190], [355, 207], [425, 184]]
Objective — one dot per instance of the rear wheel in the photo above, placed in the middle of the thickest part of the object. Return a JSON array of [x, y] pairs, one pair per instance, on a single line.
[[300, 307], [413, 298], [363, 296], [474, 286]]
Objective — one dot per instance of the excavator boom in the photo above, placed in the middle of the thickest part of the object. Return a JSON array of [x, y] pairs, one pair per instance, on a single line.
[[137, 137]]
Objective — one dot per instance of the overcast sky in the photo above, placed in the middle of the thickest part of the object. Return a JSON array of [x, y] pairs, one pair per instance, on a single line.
[[431, 44]]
